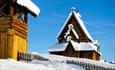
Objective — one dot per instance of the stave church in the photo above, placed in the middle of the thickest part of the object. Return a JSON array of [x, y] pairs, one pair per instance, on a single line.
[[74, 40]]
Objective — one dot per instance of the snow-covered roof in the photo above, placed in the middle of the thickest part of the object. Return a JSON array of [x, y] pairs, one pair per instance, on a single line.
[[82, 46], [58, 47], [29, 5], [78, 18]]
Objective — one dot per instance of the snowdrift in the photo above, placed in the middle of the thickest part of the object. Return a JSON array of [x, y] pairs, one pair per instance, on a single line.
[[10, 64]]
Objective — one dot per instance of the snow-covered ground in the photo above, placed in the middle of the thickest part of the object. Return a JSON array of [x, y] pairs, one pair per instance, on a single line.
[[10, 64], [55, 62], [64, 59]]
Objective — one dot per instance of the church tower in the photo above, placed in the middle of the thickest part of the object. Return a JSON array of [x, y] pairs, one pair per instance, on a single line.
[[14, 26]]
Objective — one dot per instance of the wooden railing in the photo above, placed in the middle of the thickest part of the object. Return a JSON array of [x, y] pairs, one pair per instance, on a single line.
[[88, 66], [22, 56]]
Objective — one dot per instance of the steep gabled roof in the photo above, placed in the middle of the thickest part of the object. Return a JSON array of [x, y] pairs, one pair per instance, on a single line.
[[80, 22], [29, 5]]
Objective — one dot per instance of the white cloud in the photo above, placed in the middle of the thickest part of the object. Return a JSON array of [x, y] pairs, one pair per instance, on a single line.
[[59, 15]]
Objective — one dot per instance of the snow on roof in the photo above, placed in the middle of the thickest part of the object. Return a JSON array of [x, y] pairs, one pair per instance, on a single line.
[[75, 45], [82, 46], [78, 18], [71, 29], [75, 33], [29, 5], [58, 47]]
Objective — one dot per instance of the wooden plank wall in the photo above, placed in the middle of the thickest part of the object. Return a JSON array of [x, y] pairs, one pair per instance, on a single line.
[[2, 44]]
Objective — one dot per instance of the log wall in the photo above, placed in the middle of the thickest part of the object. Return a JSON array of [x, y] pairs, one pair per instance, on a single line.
[[13, 37]]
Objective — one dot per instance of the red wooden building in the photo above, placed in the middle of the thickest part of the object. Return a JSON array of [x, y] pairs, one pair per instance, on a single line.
[[75, 41]]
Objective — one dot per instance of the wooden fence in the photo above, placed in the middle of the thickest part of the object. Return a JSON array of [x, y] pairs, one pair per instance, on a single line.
[[22, 56], [88, 66]]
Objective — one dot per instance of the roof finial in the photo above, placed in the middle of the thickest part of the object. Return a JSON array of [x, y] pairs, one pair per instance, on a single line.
[[73, 8]]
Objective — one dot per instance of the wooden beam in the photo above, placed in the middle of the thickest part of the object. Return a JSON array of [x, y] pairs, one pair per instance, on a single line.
[[3, 13], [26, 18], [2, 6], [11, 9]]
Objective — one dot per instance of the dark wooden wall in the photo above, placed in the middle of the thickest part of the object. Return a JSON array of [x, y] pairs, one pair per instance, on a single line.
[[70, 52]]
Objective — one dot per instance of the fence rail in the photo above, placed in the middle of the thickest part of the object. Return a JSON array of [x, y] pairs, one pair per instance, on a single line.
[[88, 66], [22, 56]]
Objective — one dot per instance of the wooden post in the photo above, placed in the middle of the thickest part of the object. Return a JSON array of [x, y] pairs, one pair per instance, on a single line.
[[10, 43], [11, 9]]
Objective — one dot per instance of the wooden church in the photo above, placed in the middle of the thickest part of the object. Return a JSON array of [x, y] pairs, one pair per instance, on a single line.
[[75, 41], [14, 26]]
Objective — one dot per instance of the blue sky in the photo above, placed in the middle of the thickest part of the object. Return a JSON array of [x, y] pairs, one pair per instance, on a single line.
[[98, 17]]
